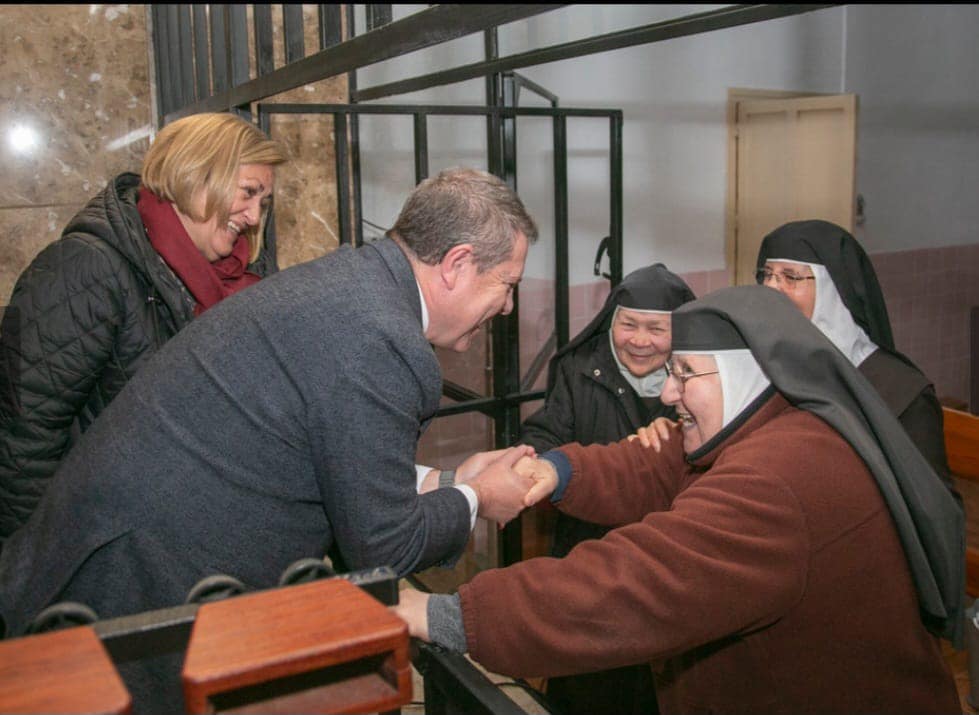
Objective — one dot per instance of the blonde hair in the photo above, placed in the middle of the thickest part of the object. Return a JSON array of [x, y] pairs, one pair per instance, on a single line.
[[203, 152]]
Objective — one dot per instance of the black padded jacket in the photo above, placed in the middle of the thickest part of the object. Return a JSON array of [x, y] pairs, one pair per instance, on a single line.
[[85, 315]]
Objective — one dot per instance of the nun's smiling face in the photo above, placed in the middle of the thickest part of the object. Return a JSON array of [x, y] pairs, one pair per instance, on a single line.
[[795, 280], [694, 388], [641, 340]]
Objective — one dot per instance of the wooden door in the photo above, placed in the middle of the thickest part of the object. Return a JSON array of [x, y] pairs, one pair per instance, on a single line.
[[795, 159]]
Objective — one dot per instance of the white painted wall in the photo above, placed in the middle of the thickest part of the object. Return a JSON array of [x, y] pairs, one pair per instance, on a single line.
[[914, 68]]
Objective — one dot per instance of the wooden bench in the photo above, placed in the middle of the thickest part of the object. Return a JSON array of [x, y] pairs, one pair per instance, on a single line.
[[962, 449], [64, 671], [321, 647]]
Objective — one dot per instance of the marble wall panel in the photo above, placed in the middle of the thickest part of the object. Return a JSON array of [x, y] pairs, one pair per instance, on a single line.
[[75, 110], [25, 231], [78, 76]]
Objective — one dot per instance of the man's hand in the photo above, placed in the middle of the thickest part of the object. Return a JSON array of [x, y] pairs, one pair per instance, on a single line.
[[481, 460], [501, 489], [543, 476], [655, 433], [413, 608]]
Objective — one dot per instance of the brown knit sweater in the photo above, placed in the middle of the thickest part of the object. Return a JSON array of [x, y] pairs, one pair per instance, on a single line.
[[766, 578]]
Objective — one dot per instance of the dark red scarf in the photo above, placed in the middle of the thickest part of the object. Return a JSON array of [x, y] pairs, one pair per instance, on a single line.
[[208, 282]]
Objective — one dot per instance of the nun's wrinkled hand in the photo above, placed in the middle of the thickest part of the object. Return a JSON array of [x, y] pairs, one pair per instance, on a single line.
[[544, 478], [655, 433]]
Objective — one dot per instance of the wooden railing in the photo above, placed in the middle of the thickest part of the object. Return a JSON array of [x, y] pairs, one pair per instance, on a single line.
[[962, 448]]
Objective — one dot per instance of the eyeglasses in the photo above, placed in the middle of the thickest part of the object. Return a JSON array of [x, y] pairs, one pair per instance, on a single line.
[[682, 377], [790, 280]]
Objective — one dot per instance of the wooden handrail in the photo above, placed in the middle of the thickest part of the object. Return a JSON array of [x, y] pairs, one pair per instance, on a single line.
[[962, 443], [962, 450]]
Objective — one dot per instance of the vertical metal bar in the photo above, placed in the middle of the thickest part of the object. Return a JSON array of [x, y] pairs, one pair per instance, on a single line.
[[292, 31], [508, 126], [330, 26], [421, 147], [506, 329], [201, 65], [161, 52], [238, 44], [378, 16], [271, 248], [264, 53], [185, 35], [173, 54], [561, 307], [219, 46], [354, 138], [494, 98], [615, 196], [343, 176]]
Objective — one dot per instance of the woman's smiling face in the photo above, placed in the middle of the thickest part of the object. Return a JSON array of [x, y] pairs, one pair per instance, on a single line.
[[698, 399], [215, 238], [641, 340]]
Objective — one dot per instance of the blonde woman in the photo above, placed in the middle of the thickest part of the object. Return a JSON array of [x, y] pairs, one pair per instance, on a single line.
[[133, 267]]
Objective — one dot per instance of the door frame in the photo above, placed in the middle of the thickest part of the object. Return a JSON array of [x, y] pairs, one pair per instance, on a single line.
[[736, 95]]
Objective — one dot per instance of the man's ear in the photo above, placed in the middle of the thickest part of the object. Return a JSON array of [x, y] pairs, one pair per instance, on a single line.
[[454, 263]]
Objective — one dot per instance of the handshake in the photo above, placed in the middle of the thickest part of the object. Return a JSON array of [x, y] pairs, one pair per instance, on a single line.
[[506, 481]]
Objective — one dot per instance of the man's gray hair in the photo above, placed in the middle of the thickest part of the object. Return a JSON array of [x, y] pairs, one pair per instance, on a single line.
[[463, 206]]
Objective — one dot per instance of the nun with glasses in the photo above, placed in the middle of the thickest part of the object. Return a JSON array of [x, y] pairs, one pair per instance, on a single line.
[[603, 386], [827, 274], [790, 550]]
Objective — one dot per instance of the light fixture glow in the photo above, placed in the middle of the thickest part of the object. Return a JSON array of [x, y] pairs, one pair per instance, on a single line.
[[23, 139]]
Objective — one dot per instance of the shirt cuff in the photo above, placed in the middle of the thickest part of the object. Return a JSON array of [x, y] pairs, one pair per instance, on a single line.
[[473, 500], [562, 465], [420, 471]]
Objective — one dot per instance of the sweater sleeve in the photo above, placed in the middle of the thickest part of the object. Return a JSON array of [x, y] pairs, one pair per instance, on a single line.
[[619, 483], [57, 334], [665, 584]]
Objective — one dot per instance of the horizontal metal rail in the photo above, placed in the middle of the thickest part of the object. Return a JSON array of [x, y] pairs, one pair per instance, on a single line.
[[490, 406], [432, 26], [655, 32], [443, 109], [167, 630]]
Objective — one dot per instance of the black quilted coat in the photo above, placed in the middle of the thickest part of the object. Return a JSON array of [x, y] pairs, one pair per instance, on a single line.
[[84, 316]]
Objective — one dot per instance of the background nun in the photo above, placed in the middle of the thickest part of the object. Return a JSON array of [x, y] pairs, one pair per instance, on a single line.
[[602, 386], [829, 277], [791, 552]]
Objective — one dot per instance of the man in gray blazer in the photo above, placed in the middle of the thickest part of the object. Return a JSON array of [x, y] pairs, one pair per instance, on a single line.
[[283, 421]]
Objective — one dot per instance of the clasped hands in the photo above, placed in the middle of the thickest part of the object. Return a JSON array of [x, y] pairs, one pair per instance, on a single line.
[[507, 480]]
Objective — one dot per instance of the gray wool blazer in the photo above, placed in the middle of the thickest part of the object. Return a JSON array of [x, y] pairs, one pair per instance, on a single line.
[[284, 419]]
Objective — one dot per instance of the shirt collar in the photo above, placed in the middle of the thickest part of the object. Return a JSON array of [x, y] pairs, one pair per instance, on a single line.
[[421, 299]]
